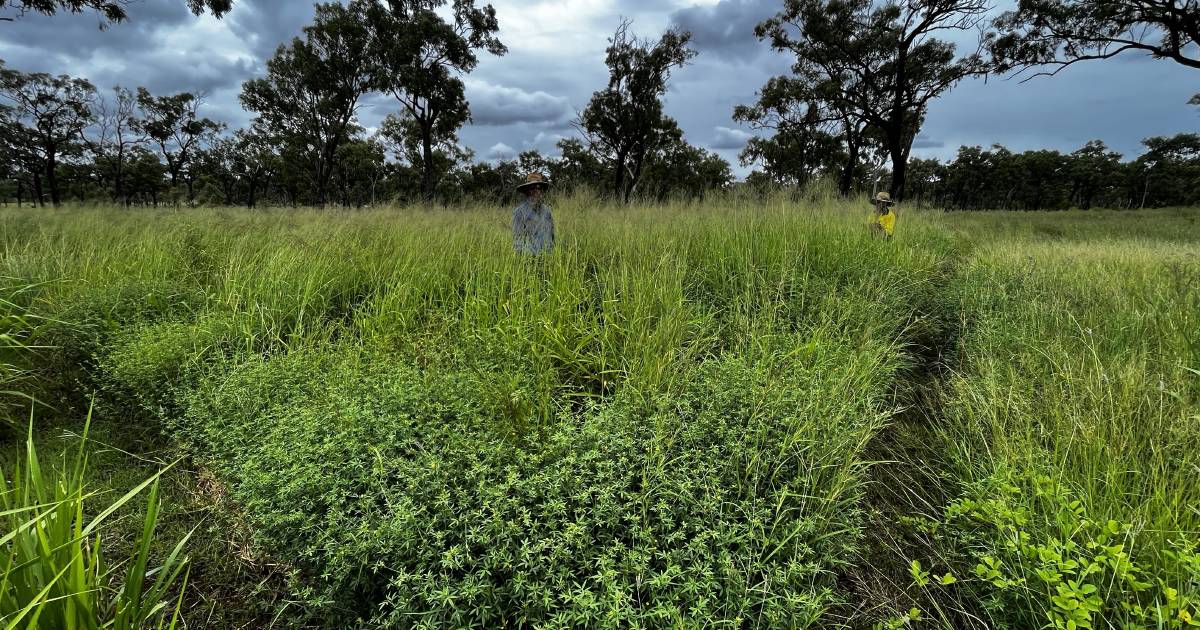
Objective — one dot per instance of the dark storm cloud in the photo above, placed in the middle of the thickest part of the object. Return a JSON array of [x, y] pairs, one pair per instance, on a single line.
[[726, 29], [79, 35], [497, 105], [265, 24]]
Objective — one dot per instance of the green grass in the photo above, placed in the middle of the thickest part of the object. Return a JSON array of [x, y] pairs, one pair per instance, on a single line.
[[672, 420]]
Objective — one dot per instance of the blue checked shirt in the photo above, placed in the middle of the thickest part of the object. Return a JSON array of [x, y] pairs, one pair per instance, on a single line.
[[533, 228]]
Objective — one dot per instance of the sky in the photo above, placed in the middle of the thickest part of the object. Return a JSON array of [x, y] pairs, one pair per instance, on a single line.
[[528, 98]]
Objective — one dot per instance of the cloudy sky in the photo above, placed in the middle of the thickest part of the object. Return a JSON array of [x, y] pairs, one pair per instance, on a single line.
[[527, 98]]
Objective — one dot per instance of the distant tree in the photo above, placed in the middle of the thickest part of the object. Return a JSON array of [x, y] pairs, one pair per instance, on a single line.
[[176, 128], [624, 123], [533, 160], [144, 176], [420, 57], [215, 166], [402, 135], [309, 99], [679, 170], [1168, 173], [492, 183], [10, 161], [360, 165], [579, 168], [52, 111], [922, 181], [1095, 173], [1060, 33], [878, 63], [256, 163], [115, 132], [109, 10], [810, 133]]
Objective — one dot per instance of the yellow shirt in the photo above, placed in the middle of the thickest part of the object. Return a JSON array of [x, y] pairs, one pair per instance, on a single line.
[[888, 222]]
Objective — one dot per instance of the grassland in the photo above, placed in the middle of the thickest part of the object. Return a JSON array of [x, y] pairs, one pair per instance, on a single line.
[[733, 414]]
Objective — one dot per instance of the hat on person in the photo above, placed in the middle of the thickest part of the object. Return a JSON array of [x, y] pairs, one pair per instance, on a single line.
[[535, 179], [884, 197]]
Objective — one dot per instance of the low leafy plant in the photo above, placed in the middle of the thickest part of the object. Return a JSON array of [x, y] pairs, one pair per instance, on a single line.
[[1035, 557]]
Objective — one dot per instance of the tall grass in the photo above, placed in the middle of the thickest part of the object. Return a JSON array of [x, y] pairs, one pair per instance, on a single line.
[[669, 420], [55, 570]]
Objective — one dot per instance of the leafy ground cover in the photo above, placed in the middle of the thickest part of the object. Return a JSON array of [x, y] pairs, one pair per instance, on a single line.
[[732, 414]]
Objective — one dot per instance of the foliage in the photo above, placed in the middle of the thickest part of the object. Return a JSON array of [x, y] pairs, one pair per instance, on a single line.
[[51, 111], [55, 571], [1092, 176], [624, 122], [308, 100], [419, 57], [109, 10], [677, 418], [1060, 33], [861, 65]]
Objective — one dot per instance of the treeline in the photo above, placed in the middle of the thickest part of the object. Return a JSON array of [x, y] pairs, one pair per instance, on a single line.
[[62, 139], [856, 98], [1166, 174]]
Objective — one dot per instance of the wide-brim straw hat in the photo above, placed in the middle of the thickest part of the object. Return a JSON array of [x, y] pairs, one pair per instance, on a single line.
[[535, 179], [885, 198]]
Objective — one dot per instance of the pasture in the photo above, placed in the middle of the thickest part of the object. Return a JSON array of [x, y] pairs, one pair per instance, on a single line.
[[733, 413]]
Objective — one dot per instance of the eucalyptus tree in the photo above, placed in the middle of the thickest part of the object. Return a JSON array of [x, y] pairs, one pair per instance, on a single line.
[[624, 123], [109, 10], [878, 63], [808, 134], [308, 101], [175, 126], [1055, 34], [421, 53], [50, 113], [115, 132]]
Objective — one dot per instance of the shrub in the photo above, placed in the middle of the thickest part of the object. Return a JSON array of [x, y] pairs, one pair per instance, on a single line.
[[402, 499]]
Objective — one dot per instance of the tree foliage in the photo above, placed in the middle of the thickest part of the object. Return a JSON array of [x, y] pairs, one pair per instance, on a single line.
[[867, 63], [50, 113], [624, 122], [419, 57], [309, 99], [173, 124], [1059, 33], [108, 10], [1166, 174]]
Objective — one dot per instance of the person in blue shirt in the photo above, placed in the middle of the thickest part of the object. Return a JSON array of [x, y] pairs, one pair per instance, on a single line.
[[533, 225]]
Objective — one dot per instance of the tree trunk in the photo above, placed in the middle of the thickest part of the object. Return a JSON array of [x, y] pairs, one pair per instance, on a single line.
[[38, 193], [852, 149], [899, 169], [427, 182], [638, 162], [619, 174], [52, 179]]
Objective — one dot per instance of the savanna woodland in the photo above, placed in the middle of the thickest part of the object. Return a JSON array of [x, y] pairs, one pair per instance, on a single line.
[[293, 374]]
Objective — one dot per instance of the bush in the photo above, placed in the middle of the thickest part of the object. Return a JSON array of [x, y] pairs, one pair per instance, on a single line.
[[402, 499]]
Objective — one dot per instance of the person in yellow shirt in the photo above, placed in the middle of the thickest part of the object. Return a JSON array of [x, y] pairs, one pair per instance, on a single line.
[[883, 223]]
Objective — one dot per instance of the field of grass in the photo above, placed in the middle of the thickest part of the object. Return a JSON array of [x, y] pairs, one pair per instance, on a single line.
[[736, 414]]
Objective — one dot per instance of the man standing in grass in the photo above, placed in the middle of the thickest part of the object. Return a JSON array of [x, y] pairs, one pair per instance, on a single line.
[[533, 226], [884, 221]]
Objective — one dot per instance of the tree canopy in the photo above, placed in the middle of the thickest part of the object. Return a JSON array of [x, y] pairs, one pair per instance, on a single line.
[[109, 10], [860, 62], [624, 122], [1060, 33]]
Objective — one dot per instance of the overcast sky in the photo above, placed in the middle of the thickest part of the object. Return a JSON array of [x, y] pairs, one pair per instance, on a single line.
[[527, 98]]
